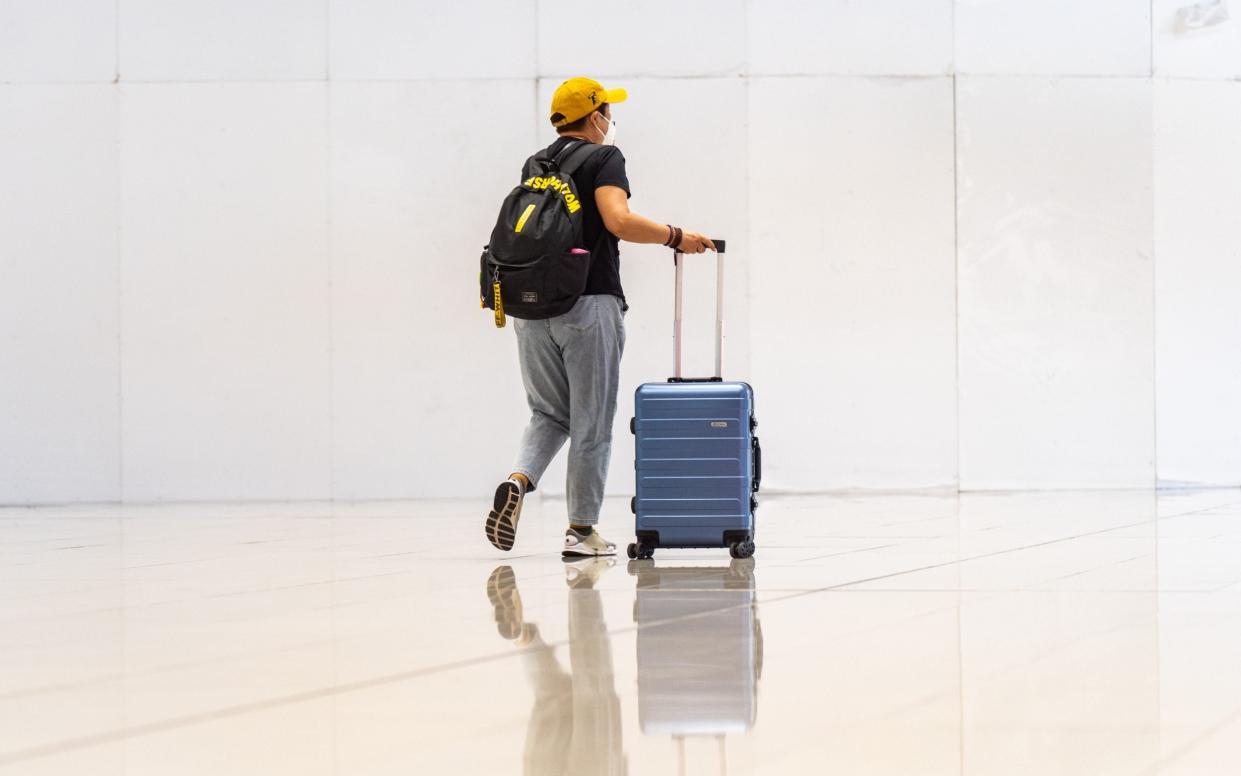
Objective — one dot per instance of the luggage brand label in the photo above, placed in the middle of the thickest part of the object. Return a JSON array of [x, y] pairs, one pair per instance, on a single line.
[[719, 424]]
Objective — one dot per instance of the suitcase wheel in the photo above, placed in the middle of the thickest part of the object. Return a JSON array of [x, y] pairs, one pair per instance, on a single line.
[[639, 551], [743, 549]]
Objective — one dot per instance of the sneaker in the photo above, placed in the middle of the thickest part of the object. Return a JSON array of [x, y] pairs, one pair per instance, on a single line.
[[501, 527], [587, 544], [583, 573]]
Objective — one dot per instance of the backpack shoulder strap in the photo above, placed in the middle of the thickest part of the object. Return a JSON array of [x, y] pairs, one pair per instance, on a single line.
[[574, 155], [567, 159], [562, 154]]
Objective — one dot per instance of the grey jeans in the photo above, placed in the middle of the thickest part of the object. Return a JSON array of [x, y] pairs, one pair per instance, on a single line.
[[570, 366]]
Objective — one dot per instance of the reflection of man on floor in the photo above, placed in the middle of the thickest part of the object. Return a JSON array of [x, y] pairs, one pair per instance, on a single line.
[[575, 726]]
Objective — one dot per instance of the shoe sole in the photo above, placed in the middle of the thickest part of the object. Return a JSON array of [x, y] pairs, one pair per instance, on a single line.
[[587, 554], [501, 526]]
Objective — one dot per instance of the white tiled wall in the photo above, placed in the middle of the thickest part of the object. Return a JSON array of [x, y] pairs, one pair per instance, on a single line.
[[421, 376], [1053, 37], [399, 39], [237, 257], [59, 355], [876, 37], [642, 37], [1198, 281], [851, 289], [1055, 282], [56, 42], [226, 302], [236, 40]]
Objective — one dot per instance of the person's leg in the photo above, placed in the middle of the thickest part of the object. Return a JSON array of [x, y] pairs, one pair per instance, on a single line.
[[592, 339], [547, 393]]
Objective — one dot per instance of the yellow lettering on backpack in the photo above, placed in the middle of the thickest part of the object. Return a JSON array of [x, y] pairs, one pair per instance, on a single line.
[[538, 183]]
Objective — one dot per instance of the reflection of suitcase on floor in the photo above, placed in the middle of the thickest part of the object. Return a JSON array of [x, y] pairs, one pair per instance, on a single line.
[[700, 649], [698, 461]]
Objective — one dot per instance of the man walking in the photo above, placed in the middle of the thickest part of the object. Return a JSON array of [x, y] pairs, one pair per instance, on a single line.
[[570, 364]]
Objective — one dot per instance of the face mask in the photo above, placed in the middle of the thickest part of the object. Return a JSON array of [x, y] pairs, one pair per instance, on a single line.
[[609, 137]]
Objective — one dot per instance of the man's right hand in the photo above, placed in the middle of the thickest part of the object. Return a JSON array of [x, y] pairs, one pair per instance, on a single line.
[[693, 242]]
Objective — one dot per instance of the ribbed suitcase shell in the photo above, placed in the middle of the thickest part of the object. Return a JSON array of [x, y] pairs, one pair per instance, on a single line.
[[694, 461]]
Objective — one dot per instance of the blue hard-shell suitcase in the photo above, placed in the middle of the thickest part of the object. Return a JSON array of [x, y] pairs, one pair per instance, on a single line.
[[698, 463]]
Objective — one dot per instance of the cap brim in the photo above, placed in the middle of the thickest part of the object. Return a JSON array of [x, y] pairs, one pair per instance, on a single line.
[[615, 95]]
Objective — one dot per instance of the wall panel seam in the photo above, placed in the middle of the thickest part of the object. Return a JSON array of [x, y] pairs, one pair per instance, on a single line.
[[1150, 26], [1154, 276], [956, 280], [331, 295], [118, 104]]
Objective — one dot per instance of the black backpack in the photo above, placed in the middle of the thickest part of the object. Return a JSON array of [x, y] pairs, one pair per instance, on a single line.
[[535, 265]]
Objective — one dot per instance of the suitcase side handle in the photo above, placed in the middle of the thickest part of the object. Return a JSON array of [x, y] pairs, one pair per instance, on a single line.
[[719, 316], [757, 454]]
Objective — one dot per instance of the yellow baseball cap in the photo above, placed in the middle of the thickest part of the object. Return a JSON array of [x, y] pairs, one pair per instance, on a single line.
[[578, 97]]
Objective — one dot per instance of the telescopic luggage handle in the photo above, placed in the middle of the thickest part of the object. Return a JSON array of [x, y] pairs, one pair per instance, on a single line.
[[719, 319]]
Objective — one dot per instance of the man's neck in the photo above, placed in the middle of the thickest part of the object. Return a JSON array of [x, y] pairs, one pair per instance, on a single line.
[[577, 136]]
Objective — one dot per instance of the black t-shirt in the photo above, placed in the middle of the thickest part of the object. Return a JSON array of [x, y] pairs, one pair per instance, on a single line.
[[604, 167]]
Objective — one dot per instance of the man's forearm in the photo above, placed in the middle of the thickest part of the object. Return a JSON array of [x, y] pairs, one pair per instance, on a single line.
[[637, 228]]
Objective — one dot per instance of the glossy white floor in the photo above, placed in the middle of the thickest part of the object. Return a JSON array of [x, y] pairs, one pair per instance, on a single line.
[[1066, 633]]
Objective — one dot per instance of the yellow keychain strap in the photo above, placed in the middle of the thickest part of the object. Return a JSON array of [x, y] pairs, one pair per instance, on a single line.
[[499, 304]]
